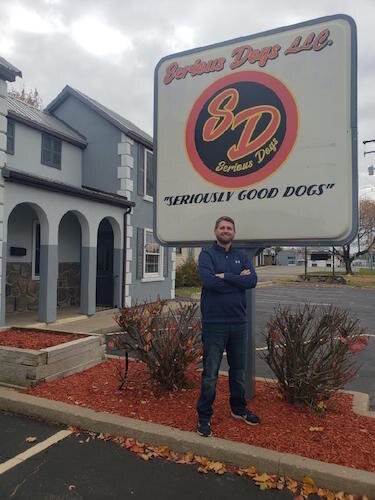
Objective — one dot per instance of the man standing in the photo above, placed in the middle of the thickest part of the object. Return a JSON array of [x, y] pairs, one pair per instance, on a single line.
[[226, 273]]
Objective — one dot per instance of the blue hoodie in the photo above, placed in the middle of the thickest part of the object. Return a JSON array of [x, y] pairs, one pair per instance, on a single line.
[[224, 300]]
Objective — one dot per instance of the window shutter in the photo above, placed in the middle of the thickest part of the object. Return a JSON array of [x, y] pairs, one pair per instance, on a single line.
[[165, 263], [140, 250], [141, 170]]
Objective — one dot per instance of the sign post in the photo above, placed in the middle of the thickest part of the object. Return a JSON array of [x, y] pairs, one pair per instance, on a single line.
[[262, 129]]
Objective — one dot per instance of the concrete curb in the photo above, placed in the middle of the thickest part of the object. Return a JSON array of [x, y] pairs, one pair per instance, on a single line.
[[325, 475]]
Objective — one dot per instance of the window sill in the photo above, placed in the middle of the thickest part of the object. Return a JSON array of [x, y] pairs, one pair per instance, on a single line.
[[152, 278], [148, 198]]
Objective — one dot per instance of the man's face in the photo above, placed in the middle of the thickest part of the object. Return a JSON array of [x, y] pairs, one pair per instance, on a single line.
[[224, 232]]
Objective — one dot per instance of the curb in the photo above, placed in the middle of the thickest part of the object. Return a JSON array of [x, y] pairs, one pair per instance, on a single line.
[[334, 477]]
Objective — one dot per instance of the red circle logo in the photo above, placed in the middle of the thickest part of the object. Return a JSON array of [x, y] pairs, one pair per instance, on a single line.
[[241, 129]]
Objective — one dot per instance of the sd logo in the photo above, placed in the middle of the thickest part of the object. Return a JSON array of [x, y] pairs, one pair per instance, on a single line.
[[241, 129]]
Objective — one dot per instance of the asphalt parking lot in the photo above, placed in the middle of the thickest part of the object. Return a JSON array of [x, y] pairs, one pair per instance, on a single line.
[[359, 302], [83, 467]]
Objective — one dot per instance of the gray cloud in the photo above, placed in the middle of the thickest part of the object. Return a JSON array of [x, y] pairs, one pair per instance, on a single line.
[[123, 81]]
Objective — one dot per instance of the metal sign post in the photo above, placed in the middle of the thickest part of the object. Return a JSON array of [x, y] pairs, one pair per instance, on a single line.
[[250, 310]]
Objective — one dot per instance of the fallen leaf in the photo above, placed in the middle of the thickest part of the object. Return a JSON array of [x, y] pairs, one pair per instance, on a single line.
[[280, 484], [202, 470], [250, 471], [163, 451], [144, 456], [217, 467], [316, 429], [71, 487], [309, 485], [261, 478], [292, 485], [340, 496], [30, 439]]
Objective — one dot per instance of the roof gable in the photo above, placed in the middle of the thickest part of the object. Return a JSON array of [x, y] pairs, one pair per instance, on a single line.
[[111, 116]]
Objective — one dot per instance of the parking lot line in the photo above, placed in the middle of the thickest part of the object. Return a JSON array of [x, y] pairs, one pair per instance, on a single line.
[[34, 450], [292, 302]]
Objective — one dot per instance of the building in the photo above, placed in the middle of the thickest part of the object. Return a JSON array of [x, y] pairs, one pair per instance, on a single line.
[[321, 258], [76, 208]]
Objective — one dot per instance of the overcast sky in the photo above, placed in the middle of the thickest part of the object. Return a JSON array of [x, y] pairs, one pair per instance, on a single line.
[[109, 49]]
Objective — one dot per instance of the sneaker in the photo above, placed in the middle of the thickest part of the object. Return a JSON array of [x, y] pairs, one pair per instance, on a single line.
[[248, 417], [204, 429]]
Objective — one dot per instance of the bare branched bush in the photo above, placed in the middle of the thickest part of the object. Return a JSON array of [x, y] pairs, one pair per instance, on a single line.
[[166, 339], [310, 351]]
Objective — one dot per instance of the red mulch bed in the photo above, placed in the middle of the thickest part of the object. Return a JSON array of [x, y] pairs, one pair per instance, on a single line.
[[34, 339], [346, 439]]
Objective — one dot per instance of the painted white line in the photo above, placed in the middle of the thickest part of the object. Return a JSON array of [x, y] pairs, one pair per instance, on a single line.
[[291, 302], [12, 462]]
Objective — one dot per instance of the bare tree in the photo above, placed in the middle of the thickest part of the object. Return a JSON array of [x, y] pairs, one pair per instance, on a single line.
[[366, 235], [30, 97]]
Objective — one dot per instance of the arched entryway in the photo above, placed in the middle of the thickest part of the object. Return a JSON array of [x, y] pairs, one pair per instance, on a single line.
[[104, 268], [69, 271], [23, 258]]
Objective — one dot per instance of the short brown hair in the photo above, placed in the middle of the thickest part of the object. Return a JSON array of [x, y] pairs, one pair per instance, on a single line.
[[226, 218]]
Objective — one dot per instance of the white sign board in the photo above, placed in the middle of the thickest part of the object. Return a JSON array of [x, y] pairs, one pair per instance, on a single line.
[[262, 129]]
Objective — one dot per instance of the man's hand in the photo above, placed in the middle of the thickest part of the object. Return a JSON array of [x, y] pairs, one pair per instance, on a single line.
[[245, 272], [221, 276]]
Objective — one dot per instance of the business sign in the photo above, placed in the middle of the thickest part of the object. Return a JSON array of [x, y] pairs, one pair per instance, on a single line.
[[262, 129]]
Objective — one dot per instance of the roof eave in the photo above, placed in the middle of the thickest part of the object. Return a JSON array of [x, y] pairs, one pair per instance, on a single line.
[[19, 177], [21, 119]]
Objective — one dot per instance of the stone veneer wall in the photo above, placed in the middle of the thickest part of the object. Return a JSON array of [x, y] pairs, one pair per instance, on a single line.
[[22, 292], [69, 284]]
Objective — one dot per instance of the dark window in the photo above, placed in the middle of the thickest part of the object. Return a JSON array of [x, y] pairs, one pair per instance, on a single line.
[[51, 151], [149, 175], [320, 256], [10, 137], [179, 250]]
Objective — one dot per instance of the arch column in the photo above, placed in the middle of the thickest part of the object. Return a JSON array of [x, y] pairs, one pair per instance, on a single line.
[[49, 270], [88, 267]]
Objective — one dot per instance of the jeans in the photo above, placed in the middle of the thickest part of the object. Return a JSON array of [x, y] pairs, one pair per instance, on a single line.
[[215, 338]]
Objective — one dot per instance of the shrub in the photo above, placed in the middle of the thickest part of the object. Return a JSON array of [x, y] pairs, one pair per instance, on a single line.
[[165, 339], [188, 275], [310, 352]]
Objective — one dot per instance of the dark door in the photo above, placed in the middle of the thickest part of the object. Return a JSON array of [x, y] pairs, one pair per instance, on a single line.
[[104, 269]]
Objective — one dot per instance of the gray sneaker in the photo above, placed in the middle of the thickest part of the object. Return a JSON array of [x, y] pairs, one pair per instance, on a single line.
[[204, 429], [248, 417]]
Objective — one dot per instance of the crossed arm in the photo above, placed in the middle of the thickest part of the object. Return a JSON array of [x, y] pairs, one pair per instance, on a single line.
[[225, 282]]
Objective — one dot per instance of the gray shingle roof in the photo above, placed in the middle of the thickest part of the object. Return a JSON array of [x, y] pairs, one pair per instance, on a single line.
[[42, 120], [119, 121]]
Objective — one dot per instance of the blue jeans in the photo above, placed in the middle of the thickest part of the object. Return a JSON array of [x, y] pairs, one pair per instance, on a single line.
[[215, 338]]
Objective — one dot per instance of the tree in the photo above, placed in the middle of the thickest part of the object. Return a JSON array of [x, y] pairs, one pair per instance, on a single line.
[[30, 97], [365, 237]]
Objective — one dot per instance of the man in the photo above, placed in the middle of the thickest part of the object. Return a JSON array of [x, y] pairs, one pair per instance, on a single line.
[[226, 273]]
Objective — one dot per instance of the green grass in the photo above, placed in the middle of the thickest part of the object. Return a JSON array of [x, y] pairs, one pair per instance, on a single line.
[[367, 272], [326, 273], [187, 291], [361, 277]]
